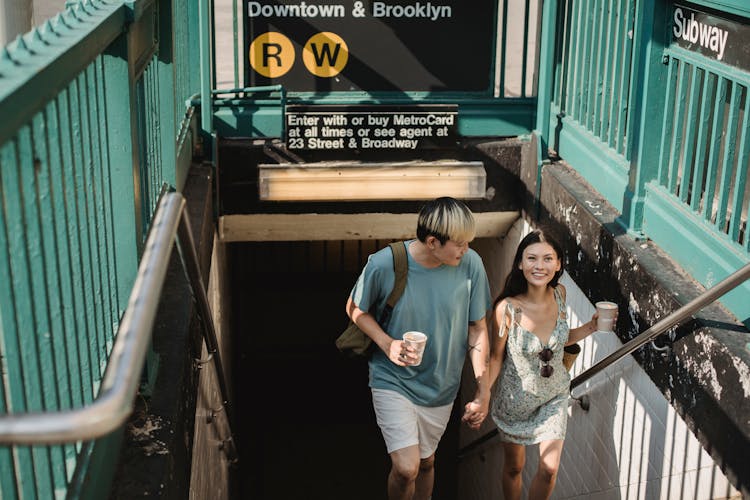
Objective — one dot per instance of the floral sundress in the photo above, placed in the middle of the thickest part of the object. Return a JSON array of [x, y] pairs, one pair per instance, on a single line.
[[528, 408]]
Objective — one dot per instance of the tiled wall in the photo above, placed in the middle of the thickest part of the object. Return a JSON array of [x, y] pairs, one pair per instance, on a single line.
[[631, 444]]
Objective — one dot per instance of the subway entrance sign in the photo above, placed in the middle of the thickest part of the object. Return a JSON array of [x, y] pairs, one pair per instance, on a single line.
[[371, 46]]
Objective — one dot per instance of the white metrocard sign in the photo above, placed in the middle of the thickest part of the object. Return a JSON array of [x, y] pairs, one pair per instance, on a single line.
[[377, 127]]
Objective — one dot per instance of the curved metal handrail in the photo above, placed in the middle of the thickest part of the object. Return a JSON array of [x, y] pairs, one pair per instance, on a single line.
[[705, 298], [727, 284], [122, 376], [114, 403]]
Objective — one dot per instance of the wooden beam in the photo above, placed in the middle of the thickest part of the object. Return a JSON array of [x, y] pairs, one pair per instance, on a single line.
[[334, 227]]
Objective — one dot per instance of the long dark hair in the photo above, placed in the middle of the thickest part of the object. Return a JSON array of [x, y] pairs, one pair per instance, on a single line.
[[515, 283]]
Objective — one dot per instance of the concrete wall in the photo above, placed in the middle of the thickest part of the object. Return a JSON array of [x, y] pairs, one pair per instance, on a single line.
[[630, 444]]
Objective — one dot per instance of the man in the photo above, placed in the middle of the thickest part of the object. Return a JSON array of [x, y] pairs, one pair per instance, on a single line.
[[446, 296]]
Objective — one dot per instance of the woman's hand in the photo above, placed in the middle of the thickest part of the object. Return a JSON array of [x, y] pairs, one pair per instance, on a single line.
[[474, 413]]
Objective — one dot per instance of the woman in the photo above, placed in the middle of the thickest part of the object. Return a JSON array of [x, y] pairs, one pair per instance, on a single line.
[[530, 404]]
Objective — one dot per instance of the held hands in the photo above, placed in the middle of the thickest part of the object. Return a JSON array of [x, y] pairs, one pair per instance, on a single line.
[[475, 412]]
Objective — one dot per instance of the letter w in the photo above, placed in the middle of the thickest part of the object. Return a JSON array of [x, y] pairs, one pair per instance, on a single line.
[[325, 53], [705, 33]]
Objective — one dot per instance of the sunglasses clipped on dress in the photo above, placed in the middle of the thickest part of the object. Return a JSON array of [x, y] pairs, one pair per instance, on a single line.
[[545, 356]]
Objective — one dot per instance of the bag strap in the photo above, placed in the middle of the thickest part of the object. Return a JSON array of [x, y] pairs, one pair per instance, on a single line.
[[401, 269]]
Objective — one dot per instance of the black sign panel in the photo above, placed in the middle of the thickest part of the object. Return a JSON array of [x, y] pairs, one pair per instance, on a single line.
[[371, 127], [721, 39], [331, 45]]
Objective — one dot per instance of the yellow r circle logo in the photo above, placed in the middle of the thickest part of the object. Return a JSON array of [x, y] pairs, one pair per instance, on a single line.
[[271, 54]]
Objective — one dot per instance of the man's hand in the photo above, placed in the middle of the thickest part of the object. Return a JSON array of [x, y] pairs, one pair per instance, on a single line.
[[400, 354], [474, 413]]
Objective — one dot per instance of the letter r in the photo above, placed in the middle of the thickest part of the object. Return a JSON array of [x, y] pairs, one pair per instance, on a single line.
[[271, 54]]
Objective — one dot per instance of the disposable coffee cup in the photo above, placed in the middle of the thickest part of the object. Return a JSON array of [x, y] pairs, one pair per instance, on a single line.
[[607, 312], [417, 340]]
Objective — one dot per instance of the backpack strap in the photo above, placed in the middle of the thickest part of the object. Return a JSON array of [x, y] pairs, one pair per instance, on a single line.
[[401, 269]]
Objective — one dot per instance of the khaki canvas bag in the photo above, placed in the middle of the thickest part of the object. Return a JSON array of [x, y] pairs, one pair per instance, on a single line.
[[355, 342]]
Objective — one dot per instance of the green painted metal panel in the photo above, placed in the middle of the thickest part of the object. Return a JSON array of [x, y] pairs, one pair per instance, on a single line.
[[73, 243], [723, 185], [598, 41], [573, 77], [96, 468], [679, 122], [106, 209], [59, 234], [19, 463], [604, 169], [54, 359], [738, 202], [594, 84], [601, 125], [121, 152], [18, 306], [702, 145], [79, 221], [206, 65], [546, 74], [67, 362], [620, 42], [665, 145], [689, 134], [706, 255], [167, 115], [55, 52], [625, 86], [715, 148]]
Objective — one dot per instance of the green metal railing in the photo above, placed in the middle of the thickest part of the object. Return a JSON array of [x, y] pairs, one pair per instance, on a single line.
[[706, 166], [94, 124], [659, 131], [593, 89]]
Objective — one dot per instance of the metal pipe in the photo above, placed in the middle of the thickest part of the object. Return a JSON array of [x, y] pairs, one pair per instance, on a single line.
[[247, 90], [122, 376], [710, 295], [186, 247]]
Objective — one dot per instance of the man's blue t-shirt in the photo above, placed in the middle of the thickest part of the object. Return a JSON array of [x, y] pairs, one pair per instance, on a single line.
[[439, 302]]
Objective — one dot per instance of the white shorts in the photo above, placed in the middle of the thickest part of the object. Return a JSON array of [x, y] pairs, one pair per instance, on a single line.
[[405, 424]]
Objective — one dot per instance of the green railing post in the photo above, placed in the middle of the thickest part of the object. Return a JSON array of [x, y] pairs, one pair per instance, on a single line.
[[206, 64], [647, 83], [167, 100], [124, 165], [546, 75]]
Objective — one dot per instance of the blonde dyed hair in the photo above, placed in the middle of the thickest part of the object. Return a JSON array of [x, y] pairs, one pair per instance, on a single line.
[[446, 219]]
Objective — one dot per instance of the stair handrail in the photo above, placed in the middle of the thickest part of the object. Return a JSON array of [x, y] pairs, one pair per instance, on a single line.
[[122, 376], [708, 296]]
